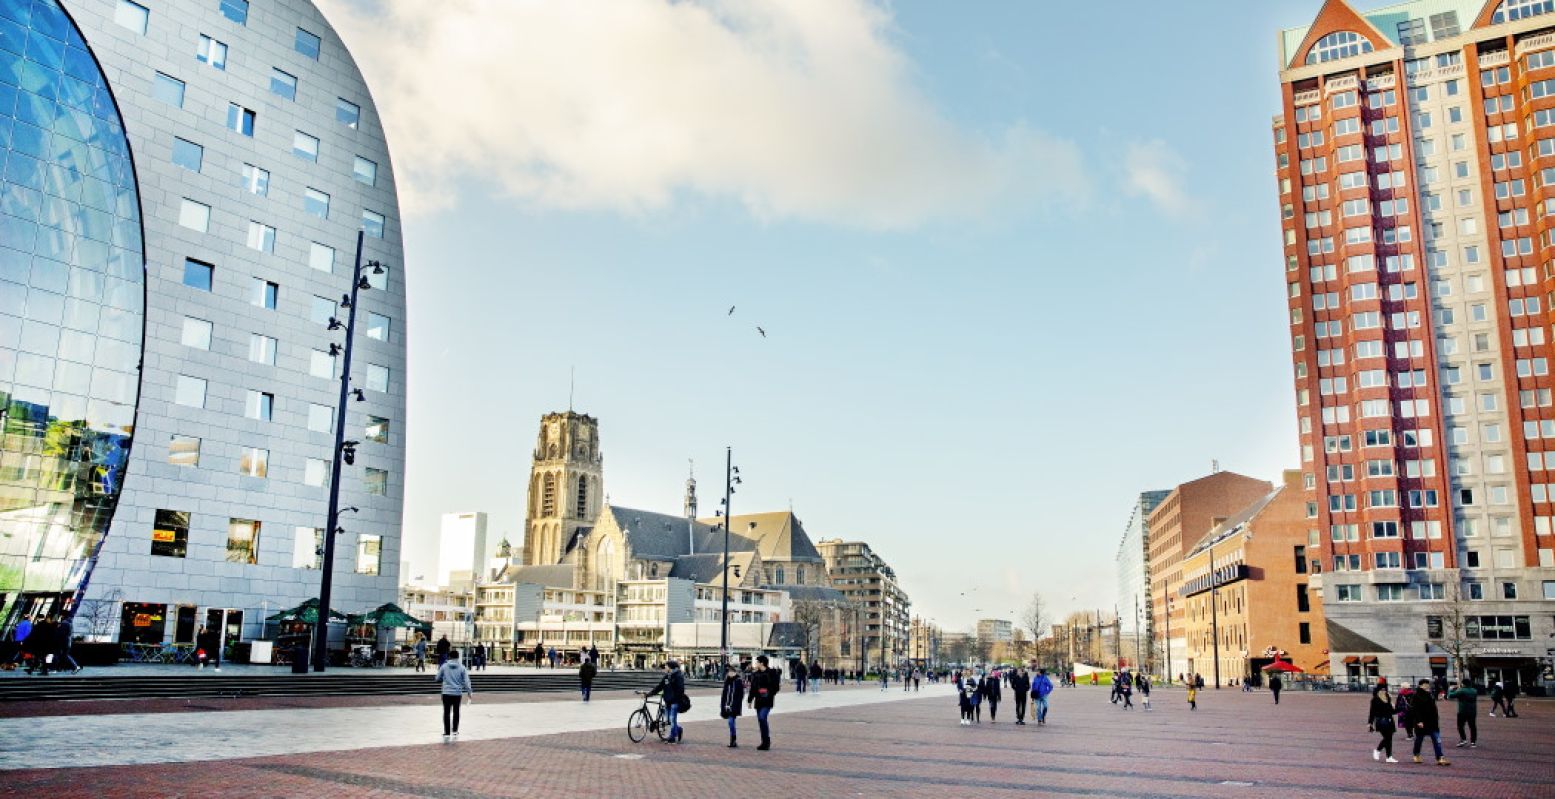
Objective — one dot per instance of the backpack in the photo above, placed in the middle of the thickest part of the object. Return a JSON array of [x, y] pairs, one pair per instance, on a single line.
[[685, 703]]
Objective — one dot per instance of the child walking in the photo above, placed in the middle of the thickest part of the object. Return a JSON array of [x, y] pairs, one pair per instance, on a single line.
[[966, 704], [1193, 697]]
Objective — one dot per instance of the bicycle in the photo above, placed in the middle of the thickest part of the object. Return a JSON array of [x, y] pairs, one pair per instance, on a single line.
[[643, 721]]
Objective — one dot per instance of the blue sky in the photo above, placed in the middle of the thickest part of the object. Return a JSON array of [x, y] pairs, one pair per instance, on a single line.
[[1017, 263]]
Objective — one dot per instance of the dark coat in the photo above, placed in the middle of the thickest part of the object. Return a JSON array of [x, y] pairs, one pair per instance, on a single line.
[[764, 688], [1274, 682], [1422, 713], [991, 690], [1381, 710], [586, 673], [1020, 683], [672, 686], [733, 698], [443, 647], [815, 670]]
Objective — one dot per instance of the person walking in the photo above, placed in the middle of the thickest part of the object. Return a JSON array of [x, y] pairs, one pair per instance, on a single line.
[[917, 676], [1379, 719], [553, 656], [19, 635], [594, 654], [1468, 709], [1510, 693], [455, 681], [885, 677], [733, 698], [1497, 699], [1424, 721], [1144, 690], [815, 676], [994, 693], [964, 701], [480, 657], [64, 631], [1040, 689], [1117, 689], [586, 674], [974, 686], [1274, 687], [1193, 696], [1126, 690], [673, 686], [443, 648], [764, 686], [204, 644], [1020, 686], [421, 652], [1401, 710]]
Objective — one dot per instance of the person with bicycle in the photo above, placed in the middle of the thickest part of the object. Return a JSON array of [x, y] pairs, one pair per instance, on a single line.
[[733, 698], [673, 686], [765, 684]]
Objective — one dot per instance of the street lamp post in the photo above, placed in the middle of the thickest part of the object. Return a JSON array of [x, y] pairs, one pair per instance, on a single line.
[[1168, 637], [344, 450], [731, 477], [1214, 614]]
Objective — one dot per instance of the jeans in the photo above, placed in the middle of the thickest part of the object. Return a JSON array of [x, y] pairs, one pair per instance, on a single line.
[[1467, 720], [1020, 707], [815, 685], [761, 721], [451, 711], [732, 719], [1436, 741], [674, 719], [586, 689], [1041, 704]]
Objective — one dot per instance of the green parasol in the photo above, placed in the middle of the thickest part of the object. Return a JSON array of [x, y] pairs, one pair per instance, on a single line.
[[307, 612]]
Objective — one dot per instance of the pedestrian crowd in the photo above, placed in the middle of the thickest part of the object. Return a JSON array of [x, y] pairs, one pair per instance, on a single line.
[[43, 646], [976, 689]]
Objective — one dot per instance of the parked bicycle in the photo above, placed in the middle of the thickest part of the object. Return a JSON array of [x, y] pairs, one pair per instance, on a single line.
[[651, 717]]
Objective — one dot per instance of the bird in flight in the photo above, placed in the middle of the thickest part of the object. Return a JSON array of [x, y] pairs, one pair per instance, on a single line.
[[731, 311], [762, 332]]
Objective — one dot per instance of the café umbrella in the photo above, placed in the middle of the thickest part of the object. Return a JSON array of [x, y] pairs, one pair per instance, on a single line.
[[307, 613], [1283, 665]]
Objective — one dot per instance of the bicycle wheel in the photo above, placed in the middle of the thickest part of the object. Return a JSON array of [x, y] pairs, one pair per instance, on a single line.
[[637, 726], [661, 724]]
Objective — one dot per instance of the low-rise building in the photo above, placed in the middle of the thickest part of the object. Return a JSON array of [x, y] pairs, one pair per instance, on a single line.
[[1245, 584], [449, 609]]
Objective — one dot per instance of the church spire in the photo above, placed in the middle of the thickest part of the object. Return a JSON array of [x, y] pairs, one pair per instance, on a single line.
[[691, 491]]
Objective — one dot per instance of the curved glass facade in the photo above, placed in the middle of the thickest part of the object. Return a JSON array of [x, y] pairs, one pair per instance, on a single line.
[[72, 296]]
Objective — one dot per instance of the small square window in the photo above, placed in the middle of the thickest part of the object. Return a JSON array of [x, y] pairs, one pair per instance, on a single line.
[[196, 333], [266, 294], [194, 215], [347, 113], [365, 171], [372, 223], [189, 391], [283, 84], [316, 202], [369, 552], [376, 482], [321, 257], [1509, 590], [198, 274], [321, 418], [261, 349], [260, 405], [321, 364], [255, 462], [305, 147], [377, 377], [243, 541], [211, 51], [315, 472], [377, 430], [308, 550], [255, 180], [377, 326], [321, 310], [307, 44], [170, 533], [131, 15], [188, 155], [183, 451], [240, 119], [261, 237], [235, 10], [168, 89]]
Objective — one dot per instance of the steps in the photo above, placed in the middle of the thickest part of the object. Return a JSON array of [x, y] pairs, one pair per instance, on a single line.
[[338, 682]]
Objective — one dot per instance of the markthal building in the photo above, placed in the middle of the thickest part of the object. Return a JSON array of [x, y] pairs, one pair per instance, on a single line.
[[182, 184]]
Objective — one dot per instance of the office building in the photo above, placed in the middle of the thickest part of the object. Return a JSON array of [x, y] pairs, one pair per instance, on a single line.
[[1135, 604], [868, 582], [1413, 151], [461, 546], [995, 631], [185, 181]]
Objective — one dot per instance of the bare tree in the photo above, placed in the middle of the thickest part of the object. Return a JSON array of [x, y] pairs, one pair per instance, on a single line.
[[959, 650], [101, 615], [1455, 619], [810, 615], [1036, 618]]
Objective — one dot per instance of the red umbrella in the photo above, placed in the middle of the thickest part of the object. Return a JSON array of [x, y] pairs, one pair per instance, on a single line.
[[1283, 665]]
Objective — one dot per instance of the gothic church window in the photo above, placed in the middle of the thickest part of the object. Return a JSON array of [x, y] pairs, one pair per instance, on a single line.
[[583, 497], [548, 496]]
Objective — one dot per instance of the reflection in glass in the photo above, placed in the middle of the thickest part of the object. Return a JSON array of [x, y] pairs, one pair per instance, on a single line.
[[71, 307]]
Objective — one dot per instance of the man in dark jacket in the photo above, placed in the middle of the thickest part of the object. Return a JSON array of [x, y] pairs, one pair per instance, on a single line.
[[733, 698], [443, 647], [586, 674], [673, 686], [992, 693], [1422, 718], [765, 684], [1274, 687], [1020, 685], [63, 632], [815, 676]]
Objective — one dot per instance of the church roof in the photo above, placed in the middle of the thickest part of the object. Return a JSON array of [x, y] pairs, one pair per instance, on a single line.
[[779, 536], [813, 593], [708, 568], [557, 576], [659, 536]]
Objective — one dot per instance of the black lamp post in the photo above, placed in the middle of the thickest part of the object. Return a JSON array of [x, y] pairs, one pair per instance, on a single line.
[[344, 451], [731, 477]]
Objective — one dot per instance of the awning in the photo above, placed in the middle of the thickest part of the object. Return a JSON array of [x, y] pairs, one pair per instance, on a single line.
[[1438, 661], [1351, 659], [1369, 659]]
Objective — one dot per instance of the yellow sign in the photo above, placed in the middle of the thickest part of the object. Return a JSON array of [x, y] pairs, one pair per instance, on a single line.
[[164, 536]]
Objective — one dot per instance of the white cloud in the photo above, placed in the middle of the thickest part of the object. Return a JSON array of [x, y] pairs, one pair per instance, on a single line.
[[1155, 171], [794, 108]]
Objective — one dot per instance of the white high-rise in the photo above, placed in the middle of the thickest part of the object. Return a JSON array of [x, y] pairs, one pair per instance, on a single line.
[[461, 546]]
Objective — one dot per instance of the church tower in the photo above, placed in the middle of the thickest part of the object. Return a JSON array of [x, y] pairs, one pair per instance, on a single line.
[[566, 485], [691, 494]]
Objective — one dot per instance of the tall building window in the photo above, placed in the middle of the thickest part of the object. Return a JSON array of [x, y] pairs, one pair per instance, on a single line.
[[377, 378], [369, 554], [377, 430], [183, 451], [189, 391], [283, 83], [266, 293], [321, 364], [260, 406], [168, 89], [261, 236], [548, 495], [261, 349], [347, 113], [235, 10], [375, 482], [188, 155], [581, 508], [240, 119], [170, 534], [321, 418], [315, 472], [321, 310], [255, 462], [242, 541], [194, 215], [365, 171], [321, 257], [307, 44], [308, 548], [315, 202], [304, 146], [196, 333], [255, 180], [211, 51], [131, 15], [377, 326], [372, 223]]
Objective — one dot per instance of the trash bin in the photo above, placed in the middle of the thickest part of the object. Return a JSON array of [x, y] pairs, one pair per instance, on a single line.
[[300, 659]]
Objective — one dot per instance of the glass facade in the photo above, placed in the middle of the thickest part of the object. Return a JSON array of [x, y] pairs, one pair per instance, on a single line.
[[72, 296]]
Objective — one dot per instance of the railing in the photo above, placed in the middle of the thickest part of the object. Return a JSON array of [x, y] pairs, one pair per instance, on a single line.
[[1497, 58], [1307, 97], [1341, 84], [1436, 74], [1543, 41]]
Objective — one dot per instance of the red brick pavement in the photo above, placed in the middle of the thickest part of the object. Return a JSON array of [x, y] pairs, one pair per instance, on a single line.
[[1235, 746]]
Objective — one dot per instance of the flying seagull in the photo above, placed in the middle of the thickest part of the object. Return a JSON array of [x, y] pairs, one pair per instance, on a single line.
[[731, 311], [762, 332]]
